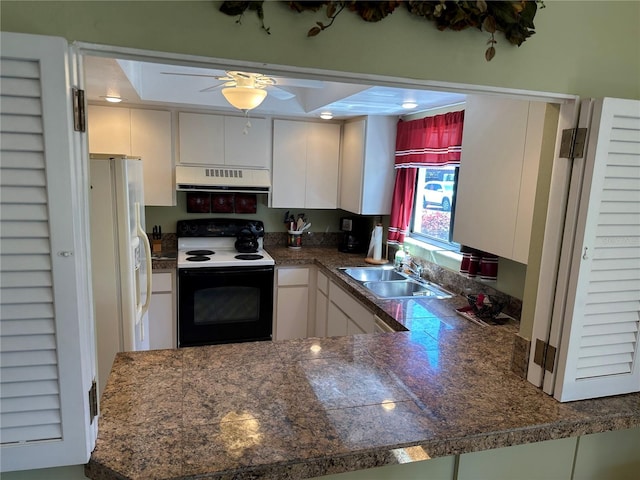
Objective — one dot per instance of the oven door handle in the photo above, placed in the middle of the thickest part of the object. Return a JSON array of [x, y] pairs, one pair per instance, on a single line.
[[208, 271], [147, 253]]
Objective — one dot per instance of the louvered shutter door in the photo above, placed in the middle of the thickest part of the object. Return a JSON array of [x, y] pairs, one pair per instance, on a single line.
[[44, 383], [599, 354]]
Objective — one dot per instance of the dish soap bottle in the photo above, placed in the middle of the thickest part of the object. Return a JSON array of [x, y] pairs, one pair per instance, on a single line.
[[398, 260]]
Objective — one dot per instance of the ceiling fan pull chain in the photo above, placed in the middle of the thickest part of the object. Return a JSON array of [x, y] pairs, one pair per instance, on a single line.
[[248, 125]]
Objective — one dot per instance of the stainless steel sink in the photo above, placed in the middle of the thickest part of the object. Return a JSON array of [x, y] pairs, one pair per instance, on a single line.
[[404, 289], [370, 274], [385, 282]]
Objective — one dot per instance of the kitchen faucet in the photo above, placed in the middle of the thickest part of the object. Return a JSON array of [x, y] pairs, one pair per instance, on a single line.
[[408, 265], [414, 269]]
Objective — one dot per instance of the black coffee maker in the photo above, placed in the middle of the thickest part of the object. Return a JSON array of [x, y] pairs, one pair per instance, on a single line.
[[355, 234]]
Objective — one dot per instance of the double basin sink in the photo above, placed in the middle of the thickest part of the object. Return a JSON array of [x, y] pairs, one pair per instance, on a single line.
[[387, 283]]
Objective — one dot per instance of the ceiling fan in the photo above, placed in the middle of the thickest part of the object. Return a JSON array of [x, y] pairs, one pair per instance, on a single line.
[[247, 90]]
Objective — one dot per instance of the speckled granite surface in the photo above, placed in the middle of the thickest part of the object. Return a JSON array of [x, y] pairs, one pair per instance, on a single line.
[[302, 408]]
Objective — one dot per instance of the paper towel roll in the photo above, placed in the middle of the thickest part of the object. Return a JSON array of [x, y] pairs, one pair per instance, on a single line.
[[375, 246]]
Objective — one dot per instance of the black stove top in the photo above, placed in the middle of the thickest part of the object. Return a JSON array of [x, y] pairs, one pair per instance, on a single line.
[[249, 256], [200, 252], [198, 258]]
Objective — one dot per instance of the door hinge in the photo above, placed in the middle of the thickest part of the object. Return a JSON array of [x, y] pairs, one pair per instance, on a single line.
[[93, 402], [573, 140], [79, 113], [545, 355]]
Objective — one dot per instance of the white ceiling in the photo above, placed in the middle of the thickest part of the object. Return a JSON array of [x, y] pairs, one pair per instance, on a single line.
[[182, 86]]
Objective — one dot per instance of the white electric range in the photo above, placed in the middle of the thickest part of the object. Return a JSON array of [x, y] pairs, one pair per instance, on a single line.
[[224, 295]]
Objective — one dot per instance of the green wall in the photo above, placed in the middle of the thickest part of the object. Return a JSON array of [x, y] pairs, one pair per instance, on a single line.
[[589, 48]]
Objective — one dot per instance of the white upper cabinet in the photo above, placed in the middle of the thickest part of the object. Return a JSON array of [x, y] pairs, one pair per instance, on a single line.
[[247, 144], [306, 156], [206, 139], [151, 139], [367, 175], [109, 130], [502, 147], [201, 139], [142, 133]]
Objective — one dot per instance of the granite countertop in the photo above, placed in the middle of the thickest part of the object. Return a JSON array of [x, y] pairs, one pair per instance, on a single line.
[[303, 408], [164, 261]]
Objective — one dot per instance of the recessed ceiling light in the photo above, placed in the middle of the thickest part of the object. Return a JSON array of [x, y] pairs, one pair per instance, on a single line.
[[409, 104], [113, 99], [326, 115]]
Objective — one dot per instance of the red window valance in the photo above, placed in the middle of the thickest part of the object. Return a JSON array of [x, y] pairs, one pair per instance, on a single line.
[[430, 141], [427, 142]]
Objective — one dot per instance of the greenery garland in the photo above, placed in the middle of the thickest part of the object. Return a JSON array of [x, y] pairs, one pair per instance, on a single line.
[[513, 18]]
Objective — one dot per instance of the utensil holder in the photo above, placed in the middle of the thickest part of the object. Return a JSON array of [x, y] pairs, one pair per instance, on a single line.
[[294, 239]]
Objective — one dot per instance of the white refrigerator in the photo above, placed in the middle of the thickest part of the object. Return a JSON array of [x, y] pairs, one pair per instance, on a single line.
[[120, 259]]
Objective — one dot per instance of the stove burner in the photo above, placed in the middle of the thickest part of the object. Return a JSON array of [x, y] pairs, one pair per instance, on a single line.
[[198, 258], [200, 252], [249, 256]]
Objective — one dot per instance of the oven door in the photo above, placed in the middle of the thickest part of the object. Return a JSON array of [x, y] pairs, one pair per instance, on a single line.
[[223, 305]]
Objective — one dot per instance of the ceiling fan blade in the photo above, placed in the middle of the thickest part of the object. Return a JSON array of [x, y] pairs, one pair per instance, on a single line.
[[211, 88], [190, 74], [298, 82]]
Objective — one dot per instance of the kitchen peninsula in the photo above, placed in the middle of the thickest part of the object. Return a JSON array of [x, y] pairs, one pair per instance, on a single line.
[[304, 408]]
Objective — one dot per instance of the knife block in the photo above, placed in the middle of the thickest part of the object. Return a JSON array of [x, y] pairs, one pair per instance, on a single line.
[[156, 246]]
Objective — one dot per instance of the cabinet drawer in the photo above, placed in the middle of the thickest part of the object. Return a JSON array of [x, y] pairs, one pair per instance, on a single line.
[[323, 283], [161, 282], [293, 276]]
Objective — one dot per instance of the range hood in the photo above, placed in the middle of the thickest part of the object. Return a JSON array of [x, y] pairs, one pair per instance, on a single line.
[[222, 179]]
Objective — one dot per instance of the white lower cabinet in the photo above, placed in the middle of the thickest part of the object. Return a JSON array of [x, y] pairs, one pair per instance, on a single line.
[[309, 304], [346, 315], [322, 304], [380, 326], [162, 311], [292, 303]]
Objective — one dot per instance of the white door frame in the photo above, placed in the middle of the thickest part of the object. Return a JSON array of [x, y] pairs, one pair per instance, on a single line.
[[315, 73]]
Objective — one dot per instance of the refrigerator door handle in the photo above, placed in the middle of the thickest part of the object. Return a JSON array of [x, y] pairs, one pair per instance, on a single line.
[[147, 252]]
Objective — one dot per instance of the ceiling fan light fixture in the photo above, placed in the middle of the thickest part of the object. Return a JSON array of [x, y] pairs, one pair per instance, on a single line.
[[244, 98], [409, 104], [326, 115]]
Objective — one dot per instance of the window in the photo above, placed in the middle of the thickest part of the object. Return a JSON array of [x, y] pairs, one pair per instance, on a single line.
[[433, 207]]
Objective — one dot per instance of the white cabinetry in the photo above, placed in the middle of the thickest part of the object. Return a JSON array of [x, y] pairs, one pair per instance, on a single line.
[[109, 130], [381, 326], [367, 175], [502, 146], [162, 311], [206, 139], [322, 304], [142, 133], [345, 315], [292, 302], [306, 156]]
